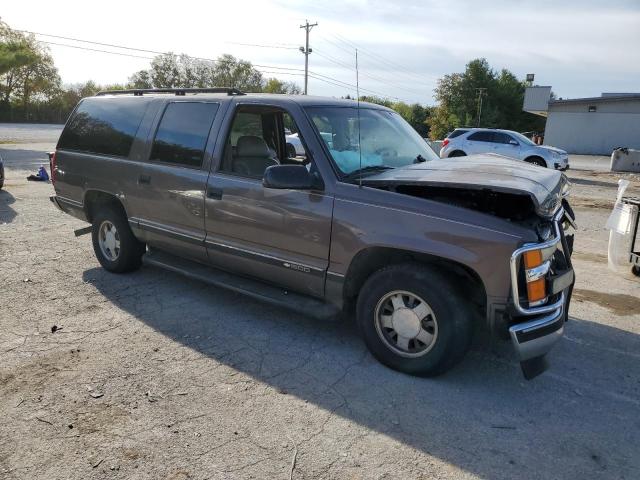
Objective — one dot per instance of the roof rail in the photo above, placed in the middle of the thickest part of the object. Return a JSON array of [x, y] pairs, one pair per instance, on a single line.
[[138, 92]]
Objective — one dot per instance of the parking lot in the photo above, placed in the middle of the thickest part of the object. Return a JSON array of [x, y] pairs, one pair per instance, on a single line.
[[151, 375]]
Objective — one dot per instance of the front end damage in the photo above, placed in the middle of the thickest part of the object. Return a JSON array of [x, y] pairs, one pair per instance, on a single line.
[[541, 273], [542, 280]]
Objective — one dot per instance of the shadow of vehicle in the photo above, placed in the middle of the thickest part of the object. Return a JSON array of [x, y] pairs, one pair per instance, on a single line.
[[578, 420], [7, 214]]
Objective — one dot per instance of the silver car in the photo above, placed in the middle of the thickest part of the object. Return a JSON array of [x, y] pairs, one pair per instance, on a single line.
[[470, 141]]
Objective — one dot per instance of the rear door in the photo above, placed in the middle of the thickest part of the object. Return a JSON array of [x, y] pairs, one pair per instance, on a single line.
[[480, 142], [170, 185], [281, 236]]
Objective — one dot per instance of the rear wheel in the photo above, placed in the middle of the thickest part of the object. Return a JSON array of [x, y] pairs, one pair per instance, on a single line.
[[414, 320], [635, 270], [1, 176], [114, 244], [457, 153], [536, 161]]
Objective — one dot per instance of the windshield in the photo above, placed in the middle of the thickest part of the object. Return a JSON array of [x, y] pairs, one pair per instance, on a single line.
[[521, 138], [384, 139]]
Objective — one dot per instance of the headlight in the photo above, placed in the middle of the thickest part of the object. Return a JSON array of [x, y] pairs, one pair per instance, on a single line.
[[555, 154]]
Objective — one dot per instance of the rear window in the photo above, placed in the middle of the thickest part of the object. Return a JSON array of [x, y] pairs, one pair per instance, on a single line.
[[481, 137], [456, 133], [183, 132], [106, 126]]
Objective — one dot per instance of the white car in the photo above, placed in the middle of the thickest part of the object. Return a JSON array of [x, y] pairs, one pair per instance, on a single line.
[[294, 145], [469, 141]]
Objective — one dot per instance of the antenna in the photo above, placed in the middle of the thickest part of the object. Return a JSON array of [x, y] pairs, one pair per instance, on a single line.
[[358, 108]]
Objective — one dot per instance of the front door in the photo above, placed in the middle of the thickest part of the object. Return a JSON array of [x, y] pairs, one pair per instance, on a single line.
[[506, 145], [281, 236]]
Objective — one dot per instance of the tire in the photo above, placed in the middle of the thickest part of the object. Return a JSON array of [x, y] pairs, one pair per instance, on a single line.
[[448, 319], [291, 151], [114, 244], [1, 176], [536, 161], [457, 153], [635, 270]]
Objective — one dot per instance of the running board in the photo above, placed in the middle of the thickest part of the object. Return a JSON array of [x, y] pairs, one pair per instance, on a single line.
[[296, 302]]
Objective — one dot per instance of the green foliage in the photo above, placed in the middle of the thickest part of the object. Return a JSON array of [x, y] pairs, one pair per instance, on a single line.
[[501, 106], [418, 116], [273, 85], [27, 73]]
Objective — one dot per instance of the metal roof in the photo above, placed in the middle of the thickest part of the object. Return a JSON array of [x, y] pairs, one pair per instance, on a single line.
[[607, 98]]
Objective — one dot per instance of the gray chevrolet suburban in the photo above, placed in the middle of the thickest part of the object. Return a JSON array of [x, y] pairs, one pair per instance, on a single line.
[[367, 222]]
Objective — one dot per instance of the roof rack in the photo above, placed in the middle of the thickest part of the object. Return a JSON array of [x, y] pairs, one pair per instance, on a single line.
[[138, 92]]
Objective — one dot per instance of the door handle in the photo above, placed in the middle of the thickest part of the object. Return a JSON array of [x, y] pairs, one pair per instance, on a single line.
[[144, 179], [214, 193]]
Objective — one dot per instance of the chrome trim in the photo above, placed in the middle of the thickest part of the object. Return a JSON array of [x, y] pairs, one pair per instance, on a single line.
[[538, 272], [548, 248], [265, 258], [71, 202], [537, 346]]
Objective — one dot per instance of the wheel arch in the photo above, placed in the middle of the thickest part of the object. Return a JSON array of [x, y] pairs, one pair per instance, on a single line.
[[94, 199], [369, 260], [457, 153], [529, 158]]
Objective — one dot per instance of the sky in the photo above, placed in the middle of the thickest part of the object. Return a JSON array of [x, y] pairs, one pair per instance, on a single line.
[[580, 47]]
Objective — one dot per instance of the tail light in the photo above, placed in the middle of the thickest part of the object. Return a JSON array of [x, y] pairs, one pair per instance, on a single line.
[[52, 166], [445, 142]]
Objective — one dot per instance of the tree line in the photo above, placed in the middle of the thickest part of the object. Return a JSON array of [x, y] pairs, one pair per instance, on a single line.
[[31, 89]]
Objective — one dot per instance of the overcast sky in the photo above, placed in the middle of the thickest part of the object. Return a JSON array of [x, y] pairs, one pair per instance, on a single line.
[[579, 47]]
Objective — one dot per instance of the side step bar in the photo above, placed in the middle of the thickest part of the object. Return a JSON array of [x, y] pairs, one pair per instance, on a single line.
[[296, 302]]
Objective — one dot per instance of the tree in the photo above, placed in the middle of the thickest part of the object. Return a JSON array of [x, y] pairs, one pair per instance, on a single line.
[[27, 72], [457, 98], [273, 85], [416, 115]]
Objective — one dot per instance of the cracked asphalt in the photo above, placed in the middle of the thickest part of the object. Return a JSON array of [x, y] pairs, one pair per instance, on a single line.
[[153, 376]]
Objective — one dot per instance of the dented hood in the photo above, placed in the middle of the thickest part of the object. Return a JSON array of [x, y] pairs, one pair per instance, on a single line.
[[480, 172]]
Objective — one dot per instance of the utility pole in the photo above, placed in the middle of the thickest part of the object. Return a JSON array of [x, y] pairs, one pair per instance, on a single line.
[[306, 50], [482, 92]]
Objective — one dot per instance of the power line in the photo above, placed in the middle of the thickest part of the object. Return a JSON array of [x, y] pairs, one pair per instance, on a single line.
[[377, 58], [373, 77], [279, 70], [262, 46]]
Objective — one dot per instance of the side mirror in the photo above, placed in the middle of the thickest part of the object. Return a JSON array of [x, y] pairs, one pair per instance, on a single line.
[[293, 177], [513, 142]]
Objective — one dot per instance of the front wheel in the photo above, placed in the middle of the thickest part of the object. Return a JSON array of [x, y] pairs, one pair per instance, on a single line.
[[536, 161], [115, 246], [414, 320]]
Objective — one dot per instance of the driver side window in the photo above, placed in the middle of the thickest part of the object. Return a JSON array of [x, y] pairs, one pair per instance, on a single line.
[[261, 137]]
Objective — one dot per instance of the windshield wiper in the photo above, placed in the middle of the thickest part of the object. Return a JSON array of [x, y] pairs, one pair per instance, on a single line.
[[370, 169], [419, 159]]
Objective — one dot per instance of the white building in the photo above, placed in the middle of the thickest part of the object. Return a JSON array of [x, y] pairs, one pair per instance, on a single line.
[[593, 126]]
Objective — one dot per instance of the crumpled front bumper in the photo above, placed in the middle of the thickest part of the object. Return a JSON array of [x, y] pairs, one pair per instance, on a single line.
[[539, 328]]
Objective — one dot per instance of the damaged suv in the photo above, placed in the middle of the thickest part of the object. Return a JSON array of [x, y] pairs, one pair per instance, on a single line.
[[366, 220]]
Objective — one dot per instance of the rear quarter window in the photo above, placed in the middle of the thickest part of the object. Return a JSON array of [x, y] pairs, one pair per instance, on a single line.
[[456, 133], [106, 126]]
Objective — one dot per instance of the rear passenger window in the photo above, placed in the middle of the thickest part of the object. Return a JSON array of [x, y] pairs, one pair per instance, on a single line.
[[182, 134], [481, 137], [106, 126]]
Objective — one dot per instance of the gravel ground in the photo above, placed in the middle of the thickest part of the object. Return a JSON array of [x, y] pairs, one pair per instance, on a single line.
[[152, 376]]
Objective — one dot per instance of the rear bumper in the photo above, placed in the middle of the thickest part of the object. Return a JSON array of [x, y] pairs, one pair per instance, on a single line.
[[73, 208]]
